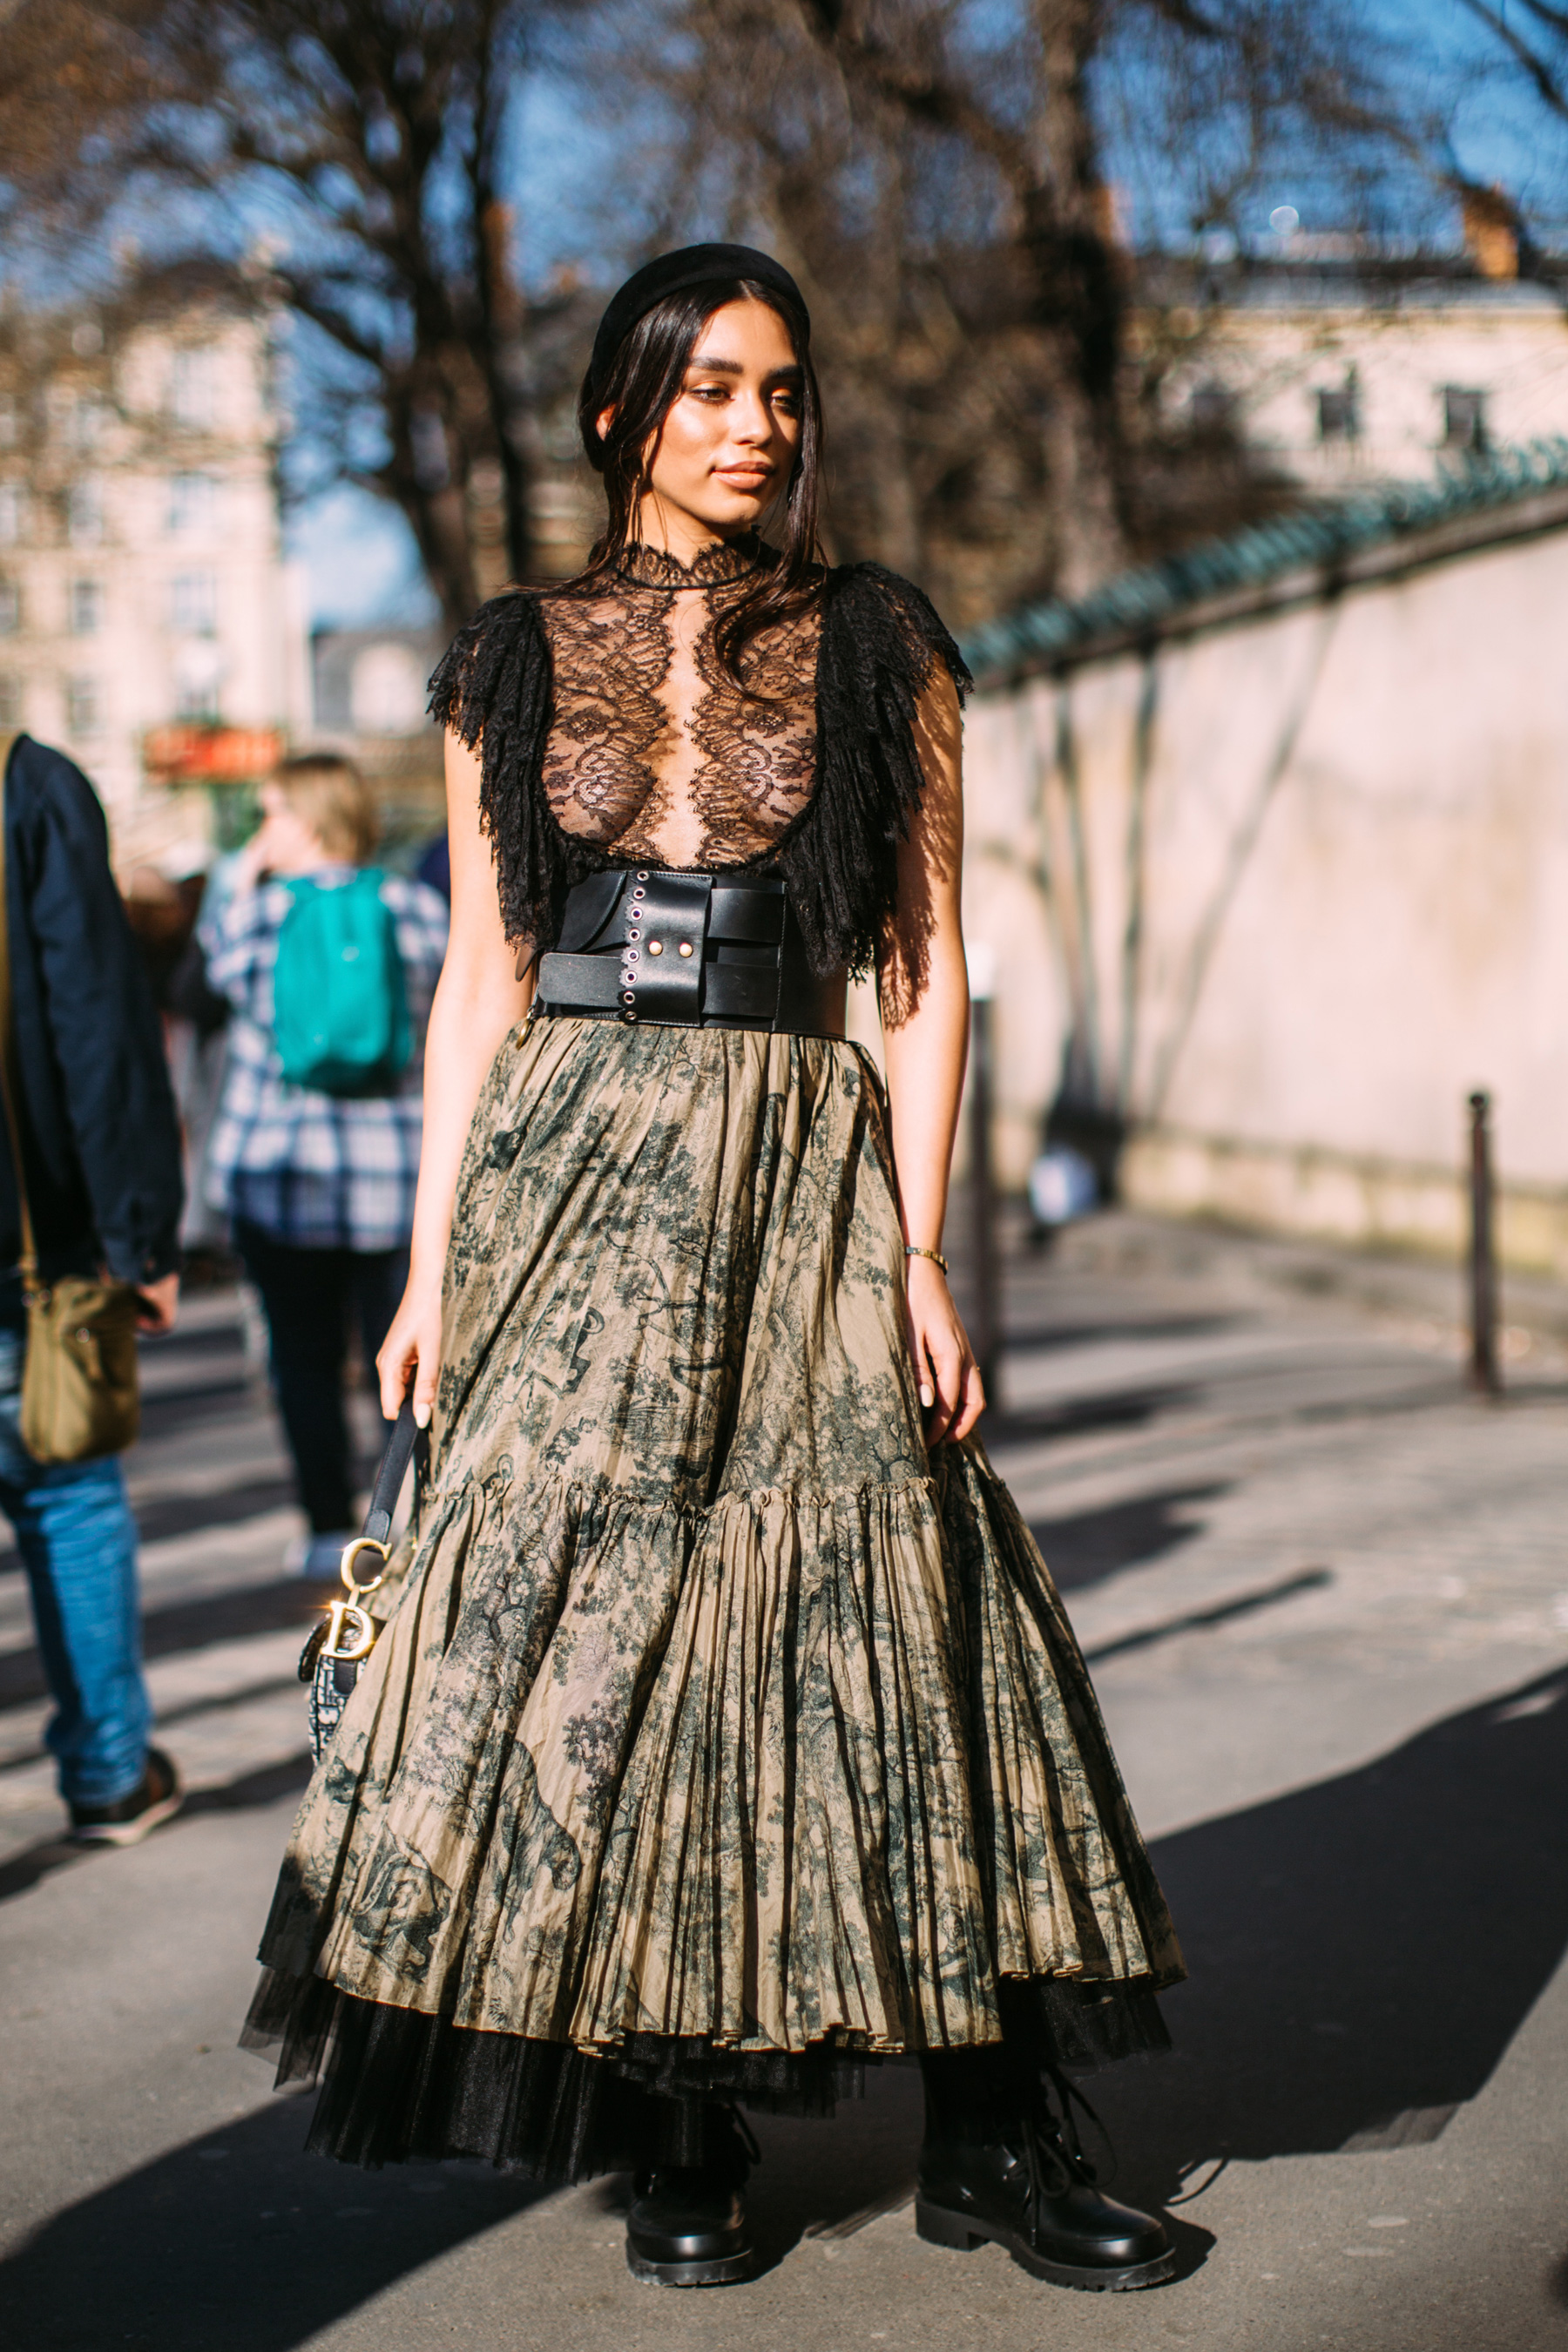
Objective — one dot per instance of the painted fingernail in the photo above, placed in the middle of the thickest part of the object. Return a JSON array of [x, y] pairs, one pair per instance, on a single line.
[[421, 1416], [927, 1397]]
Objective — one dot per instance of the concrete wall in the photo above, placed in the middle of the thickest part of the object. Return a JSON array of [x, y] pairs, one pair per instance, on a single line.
[[1292, 888]]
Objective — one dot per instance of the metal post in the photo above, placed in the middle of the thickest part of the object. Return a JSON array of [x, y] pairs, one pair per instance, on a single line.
[[984, 1332], [1483, 1261]]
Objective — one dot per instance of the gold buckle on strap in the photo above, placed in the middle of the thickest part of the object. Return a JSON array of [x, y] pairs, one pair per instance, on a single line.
[[350, 1628]]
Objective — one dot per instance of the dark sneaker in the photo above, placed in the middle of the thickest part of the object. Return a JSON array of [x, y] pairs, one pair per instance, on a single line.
[[128, 1820], [1036, 2194]]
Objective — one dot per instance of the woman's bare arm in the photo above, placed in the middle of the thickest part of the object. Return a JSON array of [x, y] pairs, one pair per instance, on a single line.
[[923, 987], [478, 999]]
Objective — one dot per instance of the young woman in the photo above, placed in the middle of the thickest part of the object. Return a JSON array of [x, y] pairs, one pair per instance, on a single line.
[[725, 1732]]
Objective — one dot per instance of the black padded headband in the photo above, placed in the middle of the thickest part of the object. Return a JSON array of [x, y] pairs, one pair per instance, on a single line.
[[674, 273]]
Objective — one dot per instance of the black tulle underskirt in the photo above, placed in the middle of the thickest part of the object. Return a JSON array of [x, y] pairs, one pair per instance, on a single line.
[[399, 2086]]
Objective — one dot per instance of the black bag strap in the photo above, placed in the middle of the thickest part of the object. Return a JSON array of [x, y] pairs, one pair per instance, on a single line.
[[390, 1476]]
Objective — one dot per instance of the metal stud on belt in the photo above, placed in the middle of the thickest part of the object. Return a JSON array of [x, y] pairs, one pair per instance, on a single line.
[[631, 954]]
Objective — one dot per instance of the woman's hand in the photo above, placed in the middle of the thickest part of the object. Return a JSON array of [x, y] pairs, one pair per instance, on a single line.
[[412, 1350], [948, 1377]]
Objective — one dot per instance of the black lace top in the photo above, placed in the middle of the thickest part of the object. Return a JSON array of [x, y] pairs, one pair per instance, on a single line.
[[613, 736]]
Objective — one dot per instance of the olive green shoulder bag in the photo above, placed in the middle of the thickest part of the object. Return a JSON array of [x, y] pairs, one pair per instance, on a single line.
[[79, 1397]]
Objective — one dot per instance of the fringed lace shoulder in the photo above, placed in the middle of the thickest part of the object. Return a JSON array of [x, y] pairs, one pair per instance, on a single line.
[[493, 686], [881, 640], [544, 693]]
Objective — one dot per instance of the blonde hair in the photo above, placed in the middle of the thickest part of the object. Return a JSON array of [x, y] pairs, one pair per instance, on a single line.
[[329, 794]]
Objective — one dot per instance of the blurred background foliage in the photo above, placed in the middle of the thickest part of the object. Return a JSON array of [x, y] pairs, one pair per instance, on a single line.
[[1005, 214]]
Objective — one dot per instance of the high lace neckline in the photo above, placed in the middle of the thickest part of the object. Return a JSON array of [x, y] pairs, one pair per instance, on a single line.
[[711, 567]]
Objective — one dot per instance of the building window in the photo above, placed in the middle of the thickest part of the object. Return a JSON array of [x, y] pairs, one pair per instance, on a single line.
[[192, 505], [193, 386], [82, 713], [1464, 419], [84, 514], [10, 608], [193, 605], [87, 607], [198, 676], [88, 417], [12, 513], [10, 699], [1212, 407], [1339, 411], [386, 691]]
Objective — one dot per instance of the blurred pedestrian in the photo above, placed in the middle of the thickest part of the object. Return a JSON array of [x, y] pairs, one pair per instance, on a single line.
[[99, 1145], [436, 866], [330, 965]]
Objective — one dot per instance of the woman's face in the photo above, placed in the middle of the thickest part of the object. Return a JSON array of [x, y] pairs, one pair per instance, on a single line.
[[288, 845], [725, 450]]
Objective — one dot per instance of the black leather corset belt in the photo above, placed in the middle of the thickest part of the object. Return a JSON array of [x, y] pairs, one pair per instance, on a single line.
[[691, 950]]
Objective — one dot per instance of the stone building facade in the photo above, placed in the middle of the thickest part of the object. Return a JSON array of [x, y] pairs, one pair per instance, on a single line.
[[143, 582], [1335, 374]]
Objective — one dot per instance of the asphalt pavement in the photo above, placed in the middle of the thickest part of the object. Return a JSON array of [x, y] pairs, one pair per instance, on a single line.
[[1324, 1593]]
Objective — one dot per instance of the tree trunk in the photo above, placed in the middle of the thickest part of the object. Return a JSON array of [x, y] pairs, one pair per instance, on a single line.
[[1077, 302]]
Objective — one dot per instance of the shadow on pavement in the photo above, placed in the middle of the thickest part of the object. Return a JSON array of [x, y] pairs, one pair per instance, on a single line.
[[264, 1786], [1361, 1952], [176, 1412], [1082, 1548], [1044, 1338], [238, 2239], [1224, 1613], [1078, 1416], [180, 1625]]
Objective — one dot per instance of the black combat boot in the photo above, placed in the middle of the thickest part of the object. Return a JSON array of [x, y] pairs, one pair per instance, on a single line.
[[686, 2226], [998, 2162]]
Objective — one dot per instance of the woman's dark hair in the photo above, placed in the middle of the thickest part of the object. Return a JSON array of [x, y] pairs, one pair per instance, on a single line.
[[642, 383]]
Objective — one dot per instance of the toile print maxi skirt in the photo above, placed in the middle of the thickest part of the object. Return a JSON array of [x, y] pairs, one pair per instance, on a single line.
[[718, 1738]]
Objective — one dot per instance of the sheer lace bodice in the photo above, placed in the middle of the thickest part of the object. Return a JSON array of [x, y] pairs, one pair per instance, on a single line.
[[611, 736], [654, 752]]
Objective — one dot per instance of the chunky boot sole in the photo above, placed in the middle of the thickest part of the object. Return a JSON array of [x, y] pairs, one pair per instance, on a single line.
[[727, 2270], [938, 2226]]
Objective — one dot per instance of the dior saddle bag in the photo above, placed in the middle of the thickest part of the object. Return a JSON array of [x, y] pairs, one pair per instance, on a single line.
[[344, 1639]]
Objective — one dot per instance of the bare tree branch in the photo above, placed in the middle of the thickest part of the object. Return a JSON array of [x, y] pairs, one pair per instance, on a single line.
[[1548, 85]]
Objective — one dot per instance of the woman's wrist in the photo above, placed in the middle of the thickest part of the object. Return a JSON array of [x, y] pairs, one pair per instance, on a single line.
[[425, 1276], [916, 1255]]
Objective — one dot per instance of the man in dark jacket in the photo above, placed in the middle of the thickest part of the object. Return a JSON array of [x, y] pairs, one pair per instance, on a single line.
[[102, 1150]]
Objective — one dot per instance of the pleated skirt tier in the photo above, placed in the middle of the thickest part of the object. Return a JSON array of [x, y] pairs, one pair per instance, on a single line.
[[710, 1715]]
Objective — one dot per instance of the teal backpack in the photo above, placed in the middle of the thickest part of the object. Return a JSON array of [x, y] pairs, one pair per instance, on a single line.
[[339, 1008]]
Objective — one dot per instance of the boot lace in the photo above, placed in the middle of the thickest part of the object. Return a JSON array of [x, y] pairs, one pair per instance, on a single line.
[[1053, 2152]]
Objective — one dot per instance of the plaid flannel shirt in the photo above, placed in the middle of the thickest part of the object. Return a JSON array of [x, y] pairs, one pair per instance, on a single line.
[[321, 1171]]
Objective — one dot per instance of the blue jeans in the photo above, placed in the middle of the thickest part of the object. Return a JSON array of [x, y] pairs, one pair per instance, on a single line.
[[78, 1542]]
